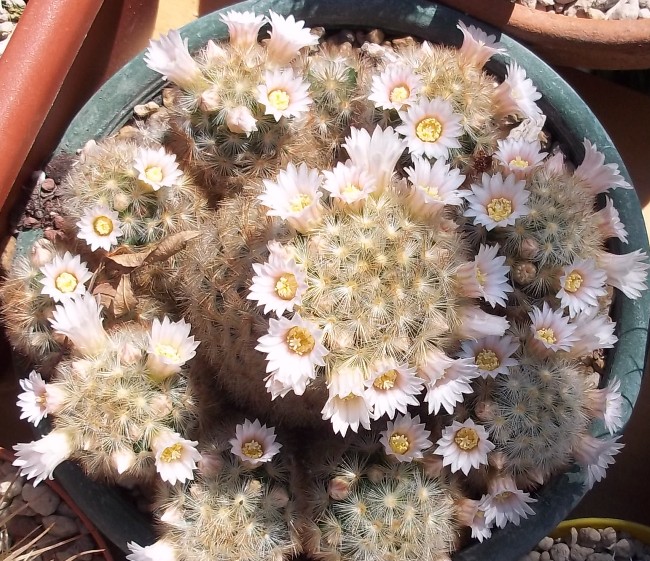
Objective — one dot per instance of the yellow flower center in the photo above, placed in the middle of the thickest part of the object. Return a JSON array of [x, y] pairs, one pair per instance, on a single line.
[[399, 443], [41, 399], [503, 496], [102, 226], [399, 93], [252, 450], [172, 453], [286, 286], [168, 352], [573, 282], [499, 209], [349, 397], [154, 174], [487, 360], [299, 203], [386, 381], [428, 130], [279, 99], [547, 334], [480, 277], [431, 191], [519, 162], [350, 189], [66, 282], [466, 439], [300, 341]]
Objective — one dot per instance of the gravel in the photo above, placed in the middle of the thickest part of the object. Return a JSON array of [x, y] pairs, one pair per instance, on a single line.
[[590, 544], [37, 508], [593, 9]]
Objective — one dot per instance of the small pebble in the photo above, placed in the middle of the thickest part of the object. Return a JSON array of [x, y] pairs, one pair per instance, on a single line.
[[48, 185], [41, 498], [607, 536], [61, 526], [167, 97], [545, 556], [622, 549], [599, 557], [560, 552], [545, 544], [579, 553], [588, 537]]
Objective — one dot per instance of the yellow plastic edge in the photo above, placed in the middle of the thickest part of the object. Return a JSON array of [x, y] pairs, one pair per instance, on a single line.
[[636, 530]]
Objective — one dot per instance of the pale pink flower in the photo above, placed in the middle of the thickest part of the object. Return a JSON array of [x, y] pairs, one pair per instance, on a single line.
[[293, 350], [505, 503], [486, 276], [517, 94], [170, 57], [464, 446], [431, 128], [627, 272], [433, 186], [157, 168], [170, 347], [609, 223], [519, 156], [478, 47], [497, 202], [406, 439], [491, 355], [349, 184], [254, 443], [551, 330], [243, 28], [607, 404], [240, 120], [392, 387], [471, 513], [596, 455], [295, 197], [38, 459], [278, 284], [158, 551], [475, 323], [581, 284], [65, 277], [283, 94], [288, 36], [347, 406], [447, 380], [594, 175], [80, 320], [377, 154], [99, 227], [175, 457], [39, 399], [593, 331], [397, 86]]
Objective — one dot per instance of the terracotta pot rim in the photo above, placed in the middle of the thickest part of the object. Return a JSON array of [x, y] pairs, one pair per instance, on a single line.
[[8, 456], [565, 40]]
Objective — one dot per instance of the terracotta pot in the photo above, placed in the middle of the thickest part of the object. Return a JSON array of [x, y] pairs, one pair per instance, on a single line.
[[59, 54], [567, 41], [7, 456]]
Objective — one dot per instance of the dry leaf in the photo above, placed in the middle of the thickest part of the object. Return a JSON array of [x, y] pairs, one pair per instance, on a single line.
[[125, 301], [130, 260], [106, 294], [171, 245]]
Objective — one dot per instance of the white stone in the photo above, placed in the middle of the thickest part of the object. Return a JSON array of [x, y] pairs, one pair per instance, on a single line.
[[644, 4], [626, 9], [10, 486], [593, 13], [529, 3], [644, 13], [547, 3]]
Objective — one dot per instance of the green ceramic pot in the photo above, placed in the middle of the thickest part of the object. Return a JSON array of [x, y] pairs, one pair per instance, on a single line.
[[569, 119]]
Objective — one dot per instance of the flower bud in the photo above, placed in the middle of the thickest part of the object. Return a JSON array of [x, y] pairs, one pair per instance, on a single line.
[[241, 120]]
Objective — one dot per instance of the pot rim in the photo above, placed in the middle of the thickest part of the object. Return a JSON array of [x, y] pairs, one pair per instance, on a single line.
[[570, 121], [566, 40]]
